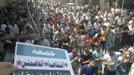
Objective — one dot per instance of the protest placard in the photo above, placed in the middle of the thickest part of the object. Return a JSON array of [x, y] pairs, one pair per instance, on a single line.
[[40, 60]]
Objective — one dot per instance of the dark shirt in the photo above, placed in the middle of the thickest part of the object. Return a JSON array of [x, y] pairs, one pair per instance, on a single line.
[[86, 57]]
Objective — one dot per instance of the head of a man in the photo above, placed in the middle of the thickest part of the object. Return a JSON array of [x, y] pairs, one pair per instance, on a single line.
[[98, 48], [120, 60], [92, 63], [87, 50], [125, 48], [74, 50], [111, 51]]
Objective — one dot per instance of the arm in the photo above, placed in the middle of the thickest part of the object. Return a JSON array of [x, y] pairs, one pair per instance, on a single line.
[[75, 59], [54, 36], [85, 62], [106, 62], [98, 59]]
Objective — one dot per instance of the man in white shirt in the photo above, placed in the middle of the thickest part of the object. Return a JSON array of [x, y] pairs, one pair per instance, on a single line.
[[110, 62]]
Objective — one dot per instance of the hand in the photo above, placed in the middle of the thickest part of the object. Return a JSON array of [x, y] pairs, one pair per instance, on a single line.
[[75, 59], [96, 44], [6, 68], [99, 59], [110, 64]]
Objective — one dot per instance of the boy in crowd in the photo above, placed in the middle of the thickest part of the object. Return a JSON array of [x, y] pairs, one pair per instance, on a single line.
[[97, 55], [88, 69]]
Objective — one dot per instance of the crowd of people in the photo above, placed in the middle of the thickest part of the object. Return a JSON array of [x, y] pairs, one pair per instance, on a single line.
[[13, 19], [94, 38]]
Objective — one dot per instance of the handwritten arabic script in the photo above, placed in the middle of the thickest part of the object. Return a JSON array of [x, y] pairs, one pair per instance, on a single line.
[[41, 52], [42, 63]]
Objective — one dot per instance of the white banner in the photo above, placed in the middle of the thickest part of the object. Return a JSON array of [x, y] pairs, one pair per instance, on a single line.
[[39, 60]]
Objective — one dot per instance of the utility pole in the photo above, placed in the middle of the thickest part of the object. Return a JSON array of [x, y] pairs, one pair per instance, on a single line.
[[102, 4], [122, 7], [37, 17]]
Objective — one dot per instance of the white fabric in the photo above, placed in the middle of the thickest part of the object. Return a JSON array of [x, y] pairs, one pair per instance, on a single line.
[[107, 24], [120, 58], [112, 59]]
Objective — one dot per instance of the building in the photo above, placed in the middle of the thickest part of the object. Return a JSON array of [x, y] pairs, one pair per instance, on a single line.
[[128, 4]]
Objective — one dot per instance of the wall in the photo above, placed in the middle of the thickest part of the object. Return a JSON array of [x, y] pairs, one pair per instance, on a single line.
[[4, 2], [128, 4]]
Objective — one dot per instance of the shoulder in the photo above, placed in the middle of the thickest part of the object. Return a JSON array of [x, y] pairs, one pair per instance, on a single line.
[[117, 53], [70, 54], [94, 52], [85, 66], [106, 56], [101, 53], [45, 40]]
